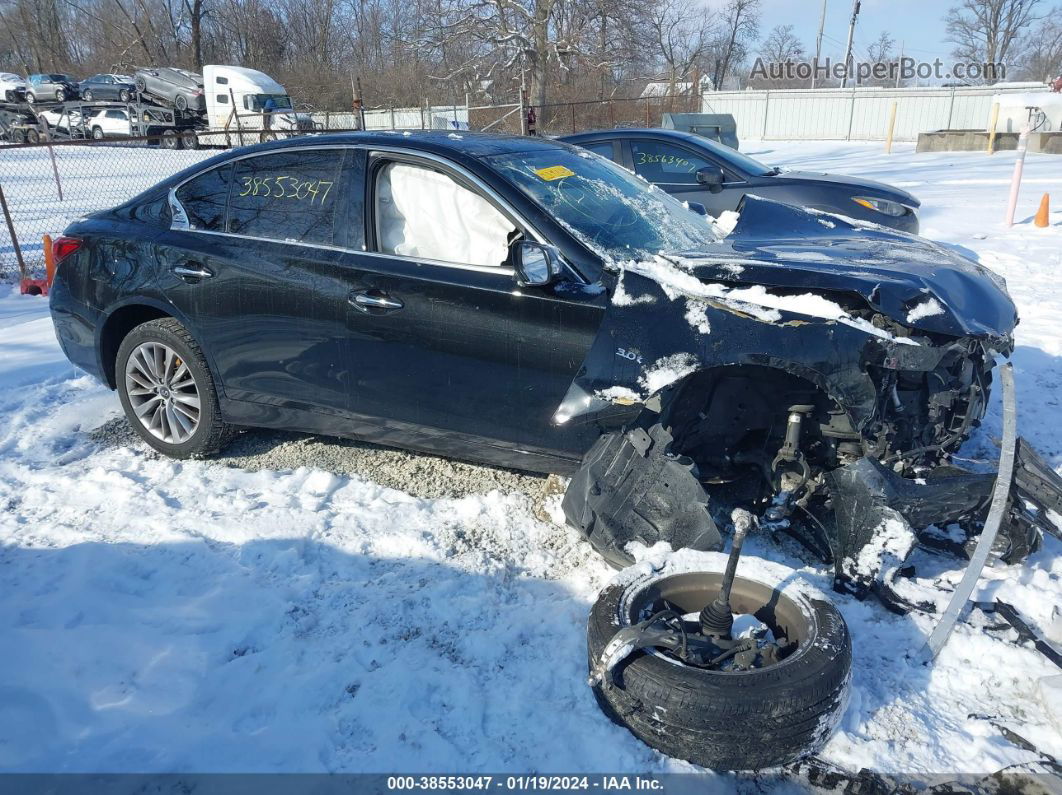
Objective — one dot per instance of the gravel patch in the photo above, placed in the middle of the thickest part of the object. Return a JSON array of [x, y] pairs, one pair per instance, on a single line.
[[421, 475]]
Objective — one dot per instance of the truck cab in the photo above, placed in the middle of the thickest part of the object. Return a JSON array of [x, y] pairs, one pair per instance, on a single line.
[[252, 94]]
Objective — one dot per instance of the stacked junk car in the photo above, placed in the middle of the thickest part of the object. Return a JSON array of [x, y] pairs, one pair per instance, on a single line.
[[797, 375]]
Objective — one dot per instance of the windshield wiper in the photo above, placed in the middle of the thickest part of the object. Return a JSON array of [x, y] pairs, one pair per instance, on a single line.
[[775, 171]]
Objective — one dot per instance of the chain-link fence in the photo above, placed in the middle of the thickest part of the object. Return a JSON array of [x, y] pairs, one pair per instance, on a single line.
[[47, 186], [571, 117]]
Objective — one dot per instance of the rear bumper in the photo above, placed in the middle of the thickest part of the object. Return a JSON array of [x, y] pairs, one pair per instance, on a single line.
[[75, 328]]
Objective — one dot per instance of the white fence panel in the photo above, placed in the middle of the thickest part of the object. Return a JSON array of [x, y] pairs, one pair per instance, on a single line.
[[439, 117], [858, 114]]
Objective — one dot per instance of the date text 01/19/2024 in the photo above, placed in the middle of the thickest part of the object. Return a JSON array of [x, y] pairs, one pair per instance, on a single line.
[[523, 782]]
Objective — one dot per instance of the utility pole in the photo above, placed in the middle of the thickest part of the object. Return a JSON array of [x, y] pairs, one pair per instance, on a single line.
[[848, 46], [818, 43]]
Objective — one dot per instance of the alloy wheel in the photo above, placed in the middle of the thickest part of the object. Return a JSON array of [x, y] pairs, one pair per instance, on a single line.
[[162, 392]]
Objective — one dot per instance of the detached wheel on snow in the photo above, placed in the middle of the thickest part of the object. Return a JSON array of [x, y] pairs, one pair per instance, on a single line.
[[770, 703]]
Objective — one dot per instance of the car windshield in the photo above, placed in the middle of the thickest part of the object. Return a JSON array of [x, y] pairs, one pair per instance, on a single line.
[[742, 162], [605, 206], [57, 78], [280, 101]]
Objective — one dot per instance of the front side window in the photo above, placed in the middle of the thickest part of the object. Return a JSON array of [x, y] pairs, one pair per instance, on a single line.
[[205, 198], [426, 214], [603, 205], [661, 162], [287, 196]]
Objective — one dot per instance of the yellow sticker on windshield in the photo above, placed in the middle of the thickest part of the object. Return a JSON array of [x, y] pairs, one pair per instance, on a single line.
[[554, 172]]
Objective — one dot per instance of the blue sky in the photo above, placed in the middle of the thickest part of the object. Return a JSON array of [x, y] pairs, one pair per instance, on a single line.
[[918, 23]]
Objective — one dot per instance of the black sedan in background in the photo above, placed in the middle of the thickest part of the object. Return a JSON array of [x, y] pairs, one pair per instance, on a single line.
[[105, 86], [693, 168]]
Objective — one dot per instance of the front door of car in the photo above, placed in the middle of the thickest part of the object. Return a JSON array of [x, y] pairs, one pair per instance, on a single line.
[[443, 339], [252, 265], [674, 169]]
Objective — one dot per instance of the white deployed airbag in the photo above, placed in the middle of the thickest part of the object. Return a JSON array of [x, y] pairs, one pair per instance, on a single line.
[[425, 214]]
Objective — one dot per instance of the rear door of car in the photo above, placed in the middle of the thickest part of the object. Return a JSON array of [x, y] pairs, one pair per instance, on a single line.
[[673, 167], [252, 263], [442, 337]]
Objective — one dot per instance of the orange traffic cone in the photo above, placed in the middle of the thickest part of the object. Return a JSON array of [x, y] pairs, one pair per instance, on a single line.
[[1042, 214]]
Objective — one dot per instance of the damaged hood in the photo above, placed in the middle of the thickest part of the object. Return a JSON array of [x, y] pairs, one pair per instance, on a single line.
[[918, 283]]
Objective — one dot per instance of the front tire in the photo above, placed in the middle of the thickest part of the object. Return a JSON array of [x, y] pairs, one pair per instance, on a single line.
[[181, 102], [167, 392], [97, 134], [123, 95], [86, 95], [60, 95], [31, 97]]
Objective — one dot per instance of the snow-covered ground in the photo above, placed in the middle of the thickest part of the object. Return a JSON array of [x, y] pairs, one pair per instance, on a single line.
[[187, 616]]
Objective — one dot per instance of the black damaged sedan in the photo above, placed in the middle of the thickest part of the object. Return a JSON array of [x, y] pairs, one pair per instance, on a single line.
[[527, 304]]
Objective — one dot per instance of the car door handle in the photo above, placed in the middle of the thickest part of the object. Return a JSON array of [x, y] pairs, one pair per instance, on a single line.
[[374, 301], [192, 271]]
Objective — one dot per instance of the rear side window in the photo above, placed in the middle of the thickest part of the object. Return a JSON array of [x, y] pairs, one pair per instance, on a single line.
[[287, 196], [661, 162], [603, 148], [204, 199]]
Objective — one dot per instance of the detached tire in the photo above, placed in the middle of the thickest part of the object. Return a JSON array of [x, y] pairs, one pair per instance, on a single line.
[[737, 720], [167, 392]]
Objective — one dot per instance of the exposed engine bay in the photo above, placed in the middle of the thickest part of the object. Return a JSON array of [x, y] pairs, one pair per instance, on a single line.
[[759, 438]]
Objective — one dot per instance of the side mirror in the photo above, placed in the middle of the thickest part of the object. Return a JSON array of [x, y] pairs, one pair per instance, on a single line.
[[711, 177], [697, 207], [536, 264]]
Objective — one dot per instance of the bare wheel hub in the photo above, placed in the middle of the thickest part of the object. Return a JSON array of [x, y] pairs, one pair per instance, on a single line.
[[162, 392]]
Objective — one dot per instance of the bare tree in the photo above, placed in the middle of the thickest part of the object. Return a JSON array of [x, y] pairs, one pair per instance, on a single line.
[[883, 51], [779, 48], [984, 31], [680, 32], [1041, 49], [782, 45], [740, 26]]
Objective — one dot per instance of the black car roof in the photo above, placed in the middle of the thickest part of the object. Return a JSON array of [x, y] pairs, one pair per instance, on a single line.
[[635, 132], [462, 142], [457, 144]]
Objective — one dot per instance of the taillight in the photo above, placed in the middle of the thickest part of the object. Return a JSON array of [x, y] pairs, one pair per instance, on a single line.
[[63, 247]]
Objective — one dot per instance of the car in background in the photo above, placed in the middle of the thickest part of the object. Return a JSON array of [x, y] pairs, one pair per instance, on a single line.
[[64, 121], [693, 168], [51, 87], [108, 86], [109, 123], [177, 87], [12, 87]]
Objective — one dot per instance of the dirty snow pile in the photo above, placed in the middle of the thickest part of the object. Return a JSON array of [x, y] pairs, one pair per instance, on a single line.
[[161, 615]]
